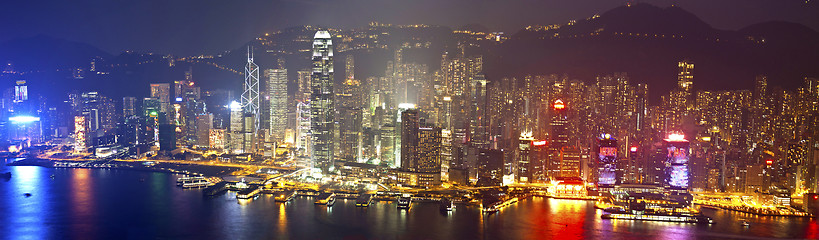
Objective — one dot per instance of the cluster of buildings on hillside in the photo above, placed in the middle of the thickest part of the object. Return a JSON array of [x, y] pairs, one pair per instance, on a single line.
[[423, 127]]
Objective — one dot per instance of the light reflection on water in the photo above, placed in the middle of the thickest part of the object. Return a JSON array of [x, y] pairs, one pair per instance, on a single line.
[[115, 204]]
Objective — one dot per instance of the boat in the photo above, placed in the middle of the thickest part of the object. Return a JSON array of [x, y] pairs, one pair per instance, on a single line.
[[285, 196], [660, 217], [248, 193], [445, 205], [404, 201], [27, 194], [324, 198], [215, 189], [497, 205], [6, 175], [193, 182], [745, 224], [331, 201], [364, 200]]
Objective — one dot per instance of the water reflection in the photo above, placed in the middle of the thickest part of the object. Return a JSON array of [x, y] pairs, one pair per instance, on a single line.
[[27, 214], [82, 202], [89, 203], [282, 223]]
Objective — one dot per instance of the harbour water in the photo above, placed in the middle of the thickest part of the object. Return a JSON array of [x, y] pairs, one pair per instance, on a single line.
[[68, 203]]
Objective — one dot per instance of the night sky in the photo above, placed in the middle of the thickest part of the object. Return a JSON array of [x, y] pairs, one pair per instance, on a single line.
[[187, 27]]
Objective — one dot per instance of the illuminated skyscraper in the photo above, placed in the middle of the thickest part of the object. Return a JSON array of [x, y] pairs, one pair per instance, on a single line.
[[303, 137], [349, 100], [522, 167], [349, 67], [606, 161], [559, 137], [304, 87], [129, 106], [322, 110], [478, 129], [428, 160], [410, 123], [162, 92], [684, 77], [250, 95], [236, 134], [676, 164], [277, 92]]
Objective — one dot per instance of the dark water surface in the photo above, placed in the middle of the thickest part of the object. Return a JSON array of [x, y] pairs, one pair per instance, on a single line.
[[115, 204]]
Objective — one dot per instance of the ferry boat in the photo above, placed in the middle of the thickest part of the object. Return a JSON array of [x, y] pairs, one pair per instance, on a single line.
[[404, 201], [248, 193], [215, 189], [324, 198], [331, 201], [445, 205], [498, 205], [661, 218], [285, 196], [192, 182], [364, 200]]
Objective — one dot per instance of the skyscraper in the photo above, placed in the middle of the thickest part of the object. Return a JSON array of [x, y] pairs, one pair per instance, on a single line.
[[676, 162], [162, 92], [236, 134], [349, 100], [428, 161], [277, 91], [606, 161], [349, 67], [303, 137], [250, 95], [559, 138], [322, 110], [129, 106], [304, 87], [410, 123]]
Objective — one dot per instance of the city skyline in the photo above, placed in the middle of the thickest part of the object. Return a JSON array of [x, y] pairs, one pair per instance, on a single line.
[[637, 115]]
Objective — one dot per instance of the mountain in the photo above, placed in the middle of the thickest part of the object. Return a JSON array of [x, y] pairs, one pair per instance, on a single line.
[[44, 52], [647, 41]]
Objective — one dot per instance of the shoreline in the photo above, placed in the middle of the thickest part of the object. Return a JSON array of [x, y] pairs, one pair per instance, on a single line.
[[173, 168]]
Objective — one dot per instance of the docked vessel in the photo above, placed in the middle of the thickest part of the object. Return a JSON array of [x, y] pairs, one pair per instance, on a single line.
[[660, 217], [324, 198], [404, 201], [215, 189], [331, 201], [248, 193], [192, 182], [285, 196], [445, 205], [495, 206], [364, 200]]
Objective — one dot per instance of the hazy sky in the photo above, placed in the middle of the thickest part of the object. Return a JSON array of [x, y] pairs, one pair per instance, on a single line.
[[209, 26]]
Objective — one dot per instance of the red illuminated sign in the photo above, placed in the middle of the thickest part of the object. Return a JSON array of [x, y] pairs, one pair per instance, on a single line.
[[539, 143], [608, 151], [633, 149], [559, 104], [769, 162]]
